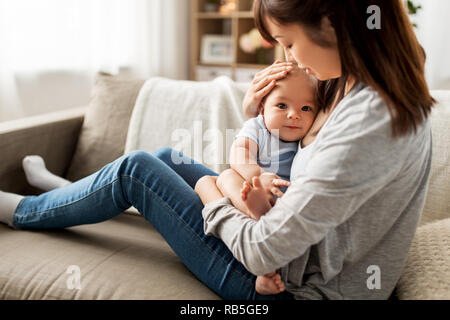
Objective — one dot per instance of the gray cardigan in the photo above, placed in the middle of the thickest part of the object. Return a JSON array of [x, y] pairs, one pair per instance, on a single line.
[[345, 225]]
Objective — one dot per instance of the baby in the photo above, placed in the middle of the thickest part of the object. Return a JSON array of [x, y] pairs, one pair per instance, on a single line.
[[265, 148]]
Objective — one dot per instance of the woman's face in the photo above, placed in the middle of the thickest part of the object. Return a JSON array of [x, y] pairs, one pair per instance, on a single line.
[[322, 62]]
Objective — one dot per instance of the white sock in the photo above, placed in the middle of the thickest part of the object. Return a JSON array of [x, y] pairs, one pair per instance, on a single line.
[[38, 176], [8, 204]]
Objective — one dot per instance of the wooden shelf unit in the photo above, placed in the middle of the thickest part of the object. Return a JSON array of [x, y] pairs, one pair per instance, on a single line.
[[233, 24]]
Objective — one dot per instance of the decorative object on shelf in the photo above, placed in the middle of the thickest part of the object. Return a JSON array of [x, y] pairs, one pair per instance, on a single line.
[[412, 9], [253, 43], [217, 49], [211, 6], [239, 20], [227, 6]]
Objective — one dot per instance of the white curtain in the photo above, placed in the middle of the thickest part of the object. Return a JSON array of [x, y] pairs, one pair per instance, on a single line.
[[143, 37], [433, 33]]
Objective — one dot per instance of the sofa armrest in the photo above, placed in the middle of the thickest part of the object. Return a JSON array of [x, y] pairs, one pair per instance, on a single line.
[[53, 136]]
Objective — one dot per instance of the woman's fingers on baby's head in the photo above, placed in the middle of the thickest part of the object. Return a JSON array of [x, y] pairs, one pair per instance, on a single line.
[[277, 73], [273, 69], [264, 85], [266, 90]]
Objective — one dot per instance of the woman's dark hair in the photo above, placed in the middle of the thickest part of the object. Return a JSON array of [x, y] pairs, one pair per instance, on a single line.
[[389, 59]]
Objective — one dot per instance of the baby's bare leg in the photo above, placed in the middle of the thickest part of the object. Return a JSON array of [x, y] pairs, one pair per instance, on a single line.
[[249, 199], [230, 183], [206, 188]]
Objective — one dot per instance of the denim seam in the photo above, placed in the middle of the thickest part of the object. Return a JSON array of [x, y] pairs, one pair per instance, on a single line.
[[14, 217], [32, 214], [178, 217]]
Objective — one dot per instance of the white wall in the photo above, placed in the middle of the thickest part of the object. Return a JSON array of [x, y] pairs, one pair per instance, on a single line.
[[40, 41], [433, 33]]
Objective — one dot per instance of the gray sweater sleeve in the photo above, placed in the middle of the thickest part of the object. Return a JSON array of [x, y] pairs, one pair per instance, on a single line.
[[354, 156]]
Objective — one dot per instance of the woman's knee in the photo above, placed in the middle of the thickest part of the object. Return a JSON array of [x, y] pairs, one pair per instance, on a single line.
[[138, 158], [138, 164], [163, 153], [138, 155], [169, 156]]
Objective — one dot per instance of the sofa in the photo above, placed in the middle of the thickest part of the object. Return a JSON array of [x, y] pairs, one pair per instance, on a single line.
[[125, 257]]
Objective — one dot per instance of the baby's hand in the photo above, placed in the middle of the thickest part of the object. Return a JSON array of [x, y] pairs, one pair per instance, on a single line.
[[271, 183]]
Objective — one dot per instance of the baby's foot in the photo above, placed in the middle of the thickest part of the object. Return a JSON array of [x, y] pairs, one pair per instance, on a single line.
[[269, 284], [38, 176], [255, 198]]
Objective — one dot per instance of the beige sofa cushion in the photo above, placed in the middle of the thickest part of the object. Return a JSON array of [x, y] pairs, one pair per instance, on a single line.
[[123, 258], [427, 272], [103, 135], [437, 205]]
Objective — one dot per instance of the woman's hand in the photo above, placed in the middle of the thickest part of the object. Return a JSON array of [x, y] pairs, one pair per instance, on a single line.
[[263, 82], [271, 182]]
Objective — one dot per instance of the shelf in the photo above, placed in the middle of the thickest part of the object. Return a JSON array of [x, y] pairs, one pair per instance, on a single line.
[[234, 25], [202, 64], [212, 15], [251, 66], [244, 14], [238, 65], [218, 15]]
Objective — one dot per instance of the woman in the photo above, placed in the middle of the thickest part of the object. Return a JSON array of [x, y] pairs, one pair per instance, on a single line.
[[344, 227]]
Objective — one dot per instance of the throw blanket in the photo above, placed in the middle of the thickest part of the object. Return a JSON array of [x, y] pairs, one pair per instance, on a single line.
[[198, 118]]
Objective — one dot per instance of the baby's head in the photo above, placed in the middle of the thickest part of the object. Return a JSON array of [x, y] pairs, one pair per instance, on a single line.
[[290, 108]]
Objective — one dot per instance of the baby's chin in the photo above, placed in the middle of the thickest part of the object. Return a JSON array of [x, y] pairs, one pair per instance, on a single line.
[[290, 138]]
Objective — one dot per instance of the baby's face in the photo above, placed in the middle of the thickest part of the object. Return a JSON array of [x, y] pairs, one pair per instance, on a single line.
[[290, 107]]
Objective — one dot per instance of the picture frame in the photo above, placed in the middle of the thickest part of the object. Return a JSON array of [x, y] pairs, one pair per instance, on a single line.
[[217, 49]]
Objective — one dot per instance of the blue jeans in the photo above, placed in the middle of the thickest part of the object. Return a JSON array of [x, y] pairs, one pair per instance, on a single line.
[[163, 193]]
